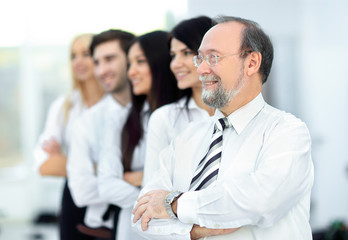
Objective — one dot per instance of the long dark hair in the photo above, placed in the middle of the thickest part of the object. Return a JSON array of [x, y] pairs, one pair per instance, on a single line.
[[163, 90], [191, 32]]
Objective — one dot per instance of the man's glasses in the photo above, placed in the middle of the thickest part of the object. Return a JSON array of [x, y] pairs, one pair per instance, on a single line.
[[211, 59]]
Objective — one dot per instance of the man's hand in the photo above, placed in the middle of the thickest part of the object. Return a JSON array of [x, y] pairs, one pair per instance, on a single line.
[[201, 232], [150, 205]]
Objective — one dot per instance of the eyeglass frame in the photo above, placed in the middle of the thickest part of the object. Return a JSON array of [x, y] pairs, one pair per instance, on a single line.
[[206, 58]]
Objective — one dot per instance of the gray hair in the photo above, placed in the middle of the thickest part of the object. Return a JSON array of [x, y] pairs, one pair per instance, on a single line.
[[254, 39]]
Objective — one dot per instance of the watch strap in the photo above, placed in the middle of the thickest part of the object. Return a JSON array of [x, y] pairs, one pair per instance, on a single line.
[[170, 198]]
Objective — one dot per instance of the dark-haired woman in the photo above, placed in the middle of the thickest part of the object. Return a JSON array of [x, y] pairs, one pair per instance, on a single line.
[[123, 155], [168, 121]]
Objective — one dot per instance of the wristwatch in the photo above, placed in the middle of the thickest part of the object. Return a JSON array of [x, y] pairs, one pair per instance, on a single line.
[[171, 197]]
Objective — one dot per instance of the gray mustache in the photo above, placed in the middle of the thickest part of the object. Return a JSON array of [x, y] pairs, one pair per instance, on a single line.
[[209, 78]]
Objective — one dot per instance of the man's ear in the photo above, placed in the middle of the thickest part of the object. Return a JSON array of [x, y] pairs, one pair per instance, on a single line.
[[253, 63]]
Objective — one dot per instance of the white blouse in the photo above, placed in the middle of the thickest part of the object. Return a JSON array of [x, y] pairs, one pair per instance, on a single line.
[[164, 125], [57, 128], [112, 188]]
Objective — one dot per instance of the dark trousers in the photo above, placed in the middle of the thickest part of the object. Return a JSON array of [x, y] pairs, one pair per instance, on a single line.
[[70, 217], [115, 211]]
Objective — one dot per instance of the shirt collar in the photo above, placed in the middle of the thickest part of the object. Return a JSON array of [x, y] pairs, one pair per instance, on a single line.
[[108, 97], [242, 116]]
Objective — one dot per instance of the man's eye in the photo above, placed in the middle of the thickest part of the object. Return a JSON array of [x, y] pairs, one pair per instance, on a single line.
[[212, 56]]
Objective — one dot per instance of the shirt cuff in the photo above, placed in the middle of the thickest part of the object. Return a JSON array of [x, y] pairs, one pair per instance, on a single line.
[[186, 208], [163, 229]]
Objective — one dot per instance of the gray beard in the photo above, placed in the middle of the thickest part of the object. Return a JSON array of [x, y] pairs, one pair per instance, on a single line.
[[221, 97]]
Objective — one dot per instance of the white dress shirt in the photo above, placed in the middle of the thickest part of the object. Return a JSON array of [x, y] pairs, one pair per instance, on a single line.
[[264, 182], [57, 128], [84, 156], [112, 188], [164, 125]]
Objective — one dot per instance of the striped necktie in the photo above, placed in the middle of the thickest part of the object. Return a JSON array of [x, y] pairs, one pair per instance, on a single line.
[[208, 168]]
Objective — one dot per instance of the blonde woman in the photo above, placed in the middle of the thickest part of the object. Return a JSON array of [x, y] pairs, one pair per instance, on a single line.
[[53, 144]]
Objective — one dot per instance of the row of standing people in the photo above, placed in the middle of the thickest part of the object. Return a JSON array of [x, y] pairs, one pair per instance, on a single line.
[[103, 136]]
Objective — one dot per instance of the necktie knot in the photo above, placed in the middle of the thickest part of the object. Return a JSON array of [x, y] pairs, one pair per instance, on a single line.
[[222, 124]]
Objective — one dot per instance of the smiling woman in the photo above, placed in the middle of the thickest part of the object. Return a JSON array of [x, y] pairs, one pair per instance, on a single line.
[[167, 122], [139, 71]]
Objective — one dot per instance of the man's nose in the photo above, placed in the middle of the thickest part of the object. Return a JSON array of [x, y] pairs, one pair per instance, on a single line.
[[203, 68]]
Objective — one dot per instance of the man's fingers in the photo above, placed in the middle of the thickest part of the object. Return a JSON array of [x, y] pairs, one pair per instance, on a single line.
[[139, 213], [147, 195], [150, 205], [144, 222], [141, 198], [141, 201]]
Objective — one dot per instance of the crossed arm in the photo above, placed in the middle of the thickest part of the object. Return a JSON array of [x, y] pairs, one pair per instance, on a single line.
[[134, 178], [151, 206], [55, 164]]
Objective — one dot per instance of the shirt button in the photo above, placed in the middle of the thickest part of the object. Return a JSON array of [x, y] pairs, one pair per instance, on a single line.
[[217, 225], [159, 230], [190, 222], [182, 231]]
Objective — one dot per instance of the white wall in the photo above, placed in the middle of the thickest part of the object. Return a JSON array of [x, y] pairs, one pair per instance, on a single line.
[[308, 79], [324, 73]]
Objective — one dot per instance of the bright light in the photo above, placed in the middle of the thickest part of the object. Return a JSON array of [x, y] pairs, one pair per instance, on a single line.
[[57, 22]]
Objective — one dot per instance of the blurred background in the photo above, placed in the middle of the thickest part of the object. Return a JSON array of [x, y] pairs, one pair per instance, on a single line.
[[309, 78]]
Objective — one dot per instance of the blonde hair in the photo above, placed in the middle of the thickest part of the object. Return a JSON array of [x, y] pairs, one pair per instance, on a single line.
[[86, 38]]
